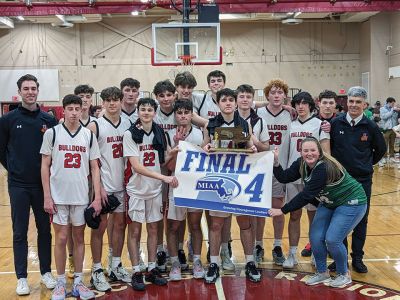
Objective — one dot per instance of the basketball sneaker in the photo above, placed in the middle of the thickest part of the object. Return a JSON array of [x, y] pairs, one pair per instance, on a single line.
[[98, 280], [252, 273], [226, 261], [81, 291], [306, 252], [198, 270], [340, 281], [277, 256], [59, 292], [48, 280], [162, 261], [175, 272], [258, 254], [120, 274], [318, 278], [23, 287], [154, 276], [212, 273], [182, 259], [137, 282], [290, 261]]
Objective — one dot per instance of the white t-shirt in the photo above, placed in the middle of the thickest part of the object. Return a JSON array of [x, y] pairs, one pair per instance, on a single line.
[[70, 166], [140, 186], [109, 137]]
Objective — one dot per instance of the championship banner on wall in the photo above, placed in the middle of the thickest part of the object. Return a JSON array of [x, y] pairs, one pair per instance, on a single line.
[[238, 183]]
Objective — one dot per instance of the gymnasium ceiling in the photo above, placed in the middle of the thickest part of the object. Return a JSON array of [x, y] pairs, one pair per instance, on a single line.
[[80, 11]]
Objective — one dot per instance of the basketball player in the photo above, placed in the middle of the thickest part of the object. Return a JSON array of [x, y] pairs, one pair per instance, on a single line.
[[165, 95], [305, 125], [226, 99], [260, 138], [19, 128], [85, 92], [130, 90], [109, 131], [144, 145], [68, 151], [278, 121], [183, 111]]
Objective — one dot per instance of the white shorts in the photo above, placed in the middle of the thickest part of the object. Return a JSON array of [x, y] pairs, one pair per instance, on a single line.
[[278, 189], [70, 214], [121, 198], [292, 189], [178, 213], [145, 211]]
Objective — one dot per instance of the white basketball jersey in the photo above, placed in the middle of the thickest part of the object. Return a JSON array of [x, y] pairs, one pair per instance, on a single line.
[[164, 120], [299, 131], [71, 155], [278, 128], [133, 116], [194, 137], [205, 106], [85, 124], [109, 137], [140, 186], [260, 130]]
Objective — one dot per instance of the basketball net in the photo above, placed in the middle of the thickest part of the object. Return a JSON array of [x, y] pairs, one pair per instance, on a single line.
[[186, 65]]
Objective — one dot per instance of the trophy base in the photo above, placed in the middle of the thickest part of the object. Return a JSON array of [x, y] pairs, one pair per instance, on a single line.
[[231, 150]]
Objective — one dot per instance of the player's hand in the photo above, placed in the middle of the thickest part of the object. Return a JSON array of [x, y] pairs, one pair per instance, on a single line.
[[276, 156], [207, 147], [172, 181], [181, 134], [326, 126], [49, 205], [275, 212], [96, 204], [174, 151], [254, 149], [104, 196]]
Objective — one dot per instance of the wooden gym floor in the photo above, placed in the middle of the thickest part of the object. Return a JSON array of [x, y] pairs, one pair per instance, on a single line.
[[382, 258]]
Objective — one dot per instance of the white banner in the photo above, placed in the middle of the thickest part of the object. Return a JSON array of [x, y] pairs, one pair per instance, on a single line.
[[238, 183]]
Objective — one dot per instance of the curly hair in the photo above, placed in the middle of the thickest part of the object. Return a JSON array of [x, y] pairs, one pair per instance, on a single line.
[[278, 83]]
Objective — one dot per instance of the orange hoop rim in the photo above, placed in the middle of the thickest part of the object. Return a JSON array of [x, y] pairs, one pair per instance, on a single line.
[[187, 59]]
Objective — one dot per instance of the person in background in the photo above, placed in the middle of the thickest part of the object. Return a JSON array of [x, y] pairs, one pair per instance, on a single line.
[[389, 119]]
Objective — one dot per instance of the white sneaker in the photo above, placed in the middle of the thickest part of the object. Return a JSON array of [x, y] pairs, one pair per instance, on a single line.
[[23, 287], [198, 270], [120, 274], [382, 162], [175, 273], [226, 261], [340, 281], [98, 280], [49, 281], [290, 261]]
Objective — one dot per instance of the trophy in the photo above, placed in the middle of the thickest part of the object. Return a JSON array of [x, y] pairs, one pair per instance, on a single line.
[[234, 138]]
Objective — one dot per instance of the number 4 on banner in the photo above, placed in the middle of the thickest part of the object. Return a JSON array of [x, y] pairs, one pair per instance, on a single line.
[[255, 188]]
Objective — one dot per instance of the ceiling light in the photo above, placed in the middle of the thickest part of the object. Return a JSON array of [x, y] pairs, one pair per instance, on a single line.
[[135, 13], [61, 17], [7, 21], [21, 18], [144, 1]]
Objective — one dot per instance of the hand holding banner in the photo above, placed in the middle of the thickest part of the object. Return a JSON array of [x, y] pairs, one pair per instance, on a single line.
[[237, 183]]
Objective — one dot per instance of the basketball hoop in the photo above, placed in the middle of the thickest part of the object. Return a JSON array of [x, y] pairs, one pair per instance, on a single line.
[[187, 60]]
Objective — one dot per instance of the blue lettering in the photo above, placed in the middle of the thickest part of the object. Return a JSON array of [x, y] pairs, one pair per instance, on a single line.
[[242, 169], [200, 168], [229, 163], [214, 162], [189, 159]]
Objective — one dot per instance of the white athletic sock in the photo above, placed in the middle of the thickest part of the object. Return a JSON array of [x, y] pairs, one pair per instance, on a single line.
[[174, 259], [151, 265], [62, 278], [136, 269], [180, 246], [115, 262], [259, 243], [96, 266], [249, 258], [277, 243], [77, 277], [196, 257], [160, 248], [293, 250], [214, 259]]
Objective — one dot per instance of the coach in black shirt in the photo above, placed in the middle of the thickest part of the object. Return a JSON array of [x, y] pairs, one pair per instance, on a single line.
[[358, 144], [21, 135]]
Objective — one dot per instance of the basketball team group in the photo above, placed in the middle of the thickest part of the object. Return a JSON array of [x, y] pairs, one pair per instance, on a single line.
[[116, 174]]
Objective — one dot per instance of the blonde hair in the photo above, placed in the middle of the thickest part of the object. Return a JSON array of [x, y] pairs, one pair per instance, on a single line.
[[334, 169], [277, 83]]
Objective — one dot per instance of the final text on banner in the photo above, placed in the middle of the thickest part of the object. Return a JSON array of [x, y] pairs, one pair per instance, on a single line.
[[238, 183]]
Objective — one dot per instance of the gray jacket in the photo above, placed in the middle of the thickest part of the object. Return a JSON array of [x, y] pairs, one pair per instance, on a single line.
[[389, 117]]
